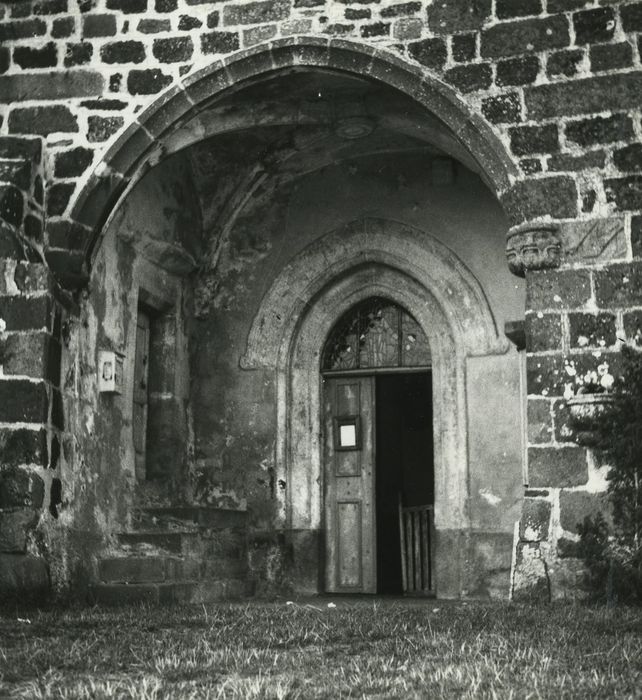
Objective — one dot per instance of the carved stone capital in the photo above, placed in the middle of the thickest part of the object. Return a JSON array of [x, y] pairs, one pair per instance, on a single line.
[[533, 246]]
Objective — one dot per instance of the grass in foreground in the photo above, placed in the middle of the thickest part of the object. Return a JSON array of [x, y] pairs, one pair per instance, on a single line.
[[309, 650]]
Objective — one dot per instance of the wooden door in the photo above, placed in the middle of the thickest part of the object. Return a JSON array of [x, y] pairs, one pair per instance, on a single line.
[[141, 372], [349, 485]]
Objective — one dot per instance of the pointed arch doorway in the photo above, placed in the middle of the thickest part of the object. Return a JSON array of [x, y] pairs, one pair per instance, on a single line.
[[378, 452]]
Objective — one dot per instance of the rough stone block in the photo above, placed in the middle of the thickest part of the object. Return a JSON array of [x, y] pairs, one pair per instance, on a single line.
[[147, 82], [636, 236], [594, 26], [256, 12], [619, 285], [518, 71], [11, 204], [23, 577], [5, 59], [400, 9], [58, 196], [567, 548], [464, 47], [63, 27], [375, 29], [23, 446], [592, 330], [219, 42], [123, 52], [22, 401], [78, 54], [526, 140], [98, 26], [50, 7], [564, 63], [525, 36], [18, 173], [102, 128], [21, 314], [611, 56], [49, 86], [20, 488], [543, 332], [540, 421], [406, 28], [24, 29], [509, 9], [127, 6], [73, 162], [633, 326], [534, 523], [577, 505], [567, 162], [43, 57], [584, 96], [545, 375], [15, 525], [173, 50], [588, 132], [25, 354], [530, 166], [450, 16], [625, 192], [429, 52], [256, 35], [154, 26], [471, 77], [132, 569], [165, 5], [557, 467], [565, 289], [502, 109], [531, 583], [631, 17], [629, 158], [355, 14], [595, 240], [554, 196]]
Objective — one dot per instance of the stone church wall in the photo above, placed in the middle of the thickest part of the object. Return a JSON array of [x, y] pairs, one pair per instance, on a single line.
[[559, 83]]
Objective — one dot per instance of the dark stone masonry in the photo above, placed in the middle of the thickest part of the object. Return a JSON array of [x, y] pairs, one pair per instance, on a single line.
[[196, 195]]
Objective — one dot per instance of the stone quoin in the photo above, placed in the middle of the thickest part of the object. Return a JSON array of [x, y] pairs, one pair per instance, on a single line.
[[304, 232]]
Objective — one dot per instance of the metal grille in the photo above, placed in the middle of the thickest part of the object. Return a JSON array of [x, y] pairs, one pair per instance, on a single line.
[[415, 525]]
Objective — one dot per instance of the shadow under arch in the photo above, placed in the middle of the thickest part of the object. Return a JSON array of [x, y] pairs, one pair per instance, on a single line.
[[370, 257], [143, 143]]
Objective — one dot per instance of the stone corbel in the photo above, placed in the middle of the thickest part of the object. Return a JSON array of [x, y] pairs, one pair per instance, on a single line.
[[533, 246]]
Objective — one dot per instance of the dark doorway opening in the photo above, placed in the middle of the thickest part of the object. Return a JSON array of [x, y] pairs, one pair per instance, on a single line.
[[404, 464]]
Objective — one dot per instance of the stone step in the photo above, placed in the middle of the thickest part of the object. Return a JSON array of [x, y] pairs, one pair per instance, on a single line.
[[131, 569], [174, 592], [206, 544]]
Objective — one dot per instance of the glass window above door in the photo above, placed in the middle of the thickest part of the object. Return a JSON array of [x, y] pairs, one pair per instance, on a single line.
[[377, 333]]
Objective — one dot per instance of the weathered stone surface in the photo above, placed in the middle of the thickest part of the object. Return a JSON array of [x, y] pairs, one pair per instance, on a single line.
[[147, 82], [375, 29], [22, 313], [543, 332], [545, 375], [123, 52], [611, 56], [15, 524], [564, 62], [12, 31], [554, 196], [592, 330], [23, 577], [518, 71], [502, 109], [11, 204], [558, 289], [101, 128], [594, 240], [577, 505], [257, 35], [594, 26], [43, 57], [464, 47], [23, 446], [540, 421], [154, 26], [629, 158], [255, 12], [73, 162], [567, 548], [536, 516], [625, 192], [429, 52], [17, 172], [78, 54], [26, 354], [526, 140], [588, 132], [20, 488], [63, 27], [557, 467], [471, 77], [219, 42], [631, 17], [509, 9], [633, 326], [49, 86], [531, 35], [22, 401], [619, 285], [531, 584], [400, 9], [584, 96], [173, 50], [98, 26], [449, 16], [573, 163], [127, 6]]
